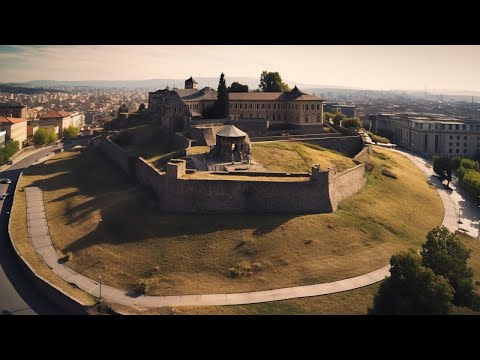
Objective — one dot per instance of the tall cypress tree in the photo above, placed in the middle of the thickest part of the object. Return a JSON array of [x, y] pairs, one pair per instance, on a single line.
[[222, 102]]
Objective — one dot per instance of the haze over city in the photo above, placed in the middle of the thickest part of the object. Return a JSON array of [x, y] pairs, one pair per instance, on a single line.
[[358, 66]]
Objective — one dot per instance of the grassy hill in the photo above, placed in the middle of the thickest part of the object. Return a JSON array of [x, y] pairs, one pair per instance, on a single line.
[[113, 230], [297, 156]]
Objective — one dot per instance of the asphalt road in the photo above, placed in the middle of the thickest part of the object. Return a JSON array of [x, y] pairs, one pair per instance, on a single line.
[[17, 296]]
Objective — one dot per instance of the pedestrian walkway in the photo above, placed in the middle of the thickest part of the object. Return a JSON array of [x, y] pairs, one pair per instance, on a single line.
[[454, 200], [40, 237]]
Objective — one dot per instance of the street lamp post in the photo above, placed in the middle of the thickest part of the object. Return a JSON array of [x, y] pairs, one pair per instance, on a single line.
[[100, 283]]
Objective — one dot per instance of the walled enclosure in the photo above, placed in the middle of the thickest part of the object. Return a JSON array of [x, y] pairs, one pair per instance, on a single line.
[[175, 192]]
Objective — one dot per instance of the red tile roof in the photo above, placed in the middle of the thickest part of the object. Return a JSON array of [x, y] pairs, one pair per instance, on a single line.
[[55, 114], [11, 120]]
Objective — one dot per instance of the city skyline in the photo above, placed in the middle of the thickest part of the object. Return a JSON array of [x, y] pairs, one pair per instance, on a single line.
[[381, 67]]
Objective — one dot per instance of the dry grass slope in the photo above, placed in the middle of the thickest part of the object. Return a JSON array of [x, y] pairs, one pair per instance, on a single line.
[[113, 230], [297, 156], [18, 226]]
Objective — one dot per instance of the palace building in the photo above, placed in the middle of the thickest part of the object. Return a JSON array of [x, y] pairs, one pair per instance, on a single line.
[[178, 106]]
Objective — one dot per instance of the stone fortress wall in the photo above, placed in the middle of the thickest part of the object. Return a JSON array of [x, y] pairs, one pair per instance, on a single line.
[[320, 192]]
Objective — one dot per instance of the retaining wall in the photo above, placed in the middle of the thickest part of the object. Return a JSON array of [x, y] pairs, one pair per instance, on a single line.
[[176, 192]]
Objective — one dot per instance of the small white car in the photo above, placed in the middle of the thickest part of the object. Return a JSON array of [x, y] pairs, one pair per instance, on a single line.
[[3, 196]]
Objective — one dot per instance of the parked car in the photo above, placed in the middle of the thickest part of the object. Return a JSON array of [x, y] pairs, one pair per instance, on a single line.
[[6, 181], [3, 197], [9, 162]]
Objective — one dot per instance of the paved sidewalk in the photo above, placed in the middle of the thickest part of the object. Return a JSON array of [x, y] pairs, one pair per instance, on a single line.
[[454, 200], [40, 237]]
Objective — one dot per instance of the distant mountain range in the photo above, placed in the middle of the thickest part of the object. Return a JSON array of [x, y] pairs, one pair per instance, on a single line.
[[162, 83], [213, 83]]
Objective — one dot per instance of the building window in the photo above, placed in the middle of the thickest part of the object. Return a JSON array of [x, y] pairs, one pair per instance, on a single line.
[[312, 107], [457, 151], [236, 106], [273, 117], [449, 126], [318, 106], [464, 151], [443, 126], [258, 106], [251, 116], [263, 106], [464, 144], [464, 138], [458, 137], [450, 151], [451, 137], [268, 106], [451, 144], [251, 106], [457, 127], [306, 118], [458, 144], [274, 106]]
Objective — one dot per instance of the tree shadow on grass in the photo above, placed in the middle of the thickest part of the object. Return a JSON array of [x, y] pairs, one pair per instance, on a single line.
[[128, 212]]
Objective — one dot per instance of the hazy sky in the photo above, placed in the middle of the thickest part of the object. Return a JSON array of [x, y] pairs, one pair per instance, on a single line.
[[370, 67]]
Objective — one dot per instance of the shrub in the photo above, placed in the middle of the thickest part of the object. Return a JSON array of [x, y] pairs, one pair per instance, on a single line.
[[378, 138], [246, 268], [142, 286], [369, 166], [389, 174], [247, 247], [351, 123], [67, 257]]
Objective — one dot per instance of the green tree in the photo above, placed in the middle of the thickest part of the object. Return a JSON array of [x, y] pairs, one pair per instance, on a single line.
[[328, 116], [272, 82], [9, 149], [352, 123], [471, 183], [222, 103], [412, 289], [71, 132], [238, 88], [465, 165], [338, 118], [44, 136], [443, 167], [447, 256]]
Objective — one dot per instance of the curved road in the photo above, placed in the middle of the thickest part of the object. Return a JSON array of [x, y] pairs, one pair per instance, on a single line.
[[17, 296]]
